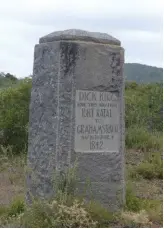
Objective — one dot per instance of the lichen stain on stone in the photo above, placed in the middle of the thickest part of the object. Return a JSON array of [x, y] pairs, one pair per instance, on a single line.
[[69, 54]]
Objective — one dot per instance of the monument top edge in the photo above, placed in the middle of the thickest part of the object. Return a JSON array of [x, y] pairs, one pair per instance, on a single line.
[[80, 35]]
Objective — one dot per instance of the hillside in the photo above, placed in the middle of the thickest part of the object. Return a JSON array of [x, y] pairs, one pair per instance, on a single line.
[[142, 73], [133, 72]]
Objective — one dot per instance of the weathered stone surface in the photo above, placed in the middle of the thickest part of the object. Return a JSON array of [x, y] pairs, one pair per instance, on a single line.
[[80, 35], [61, 69]]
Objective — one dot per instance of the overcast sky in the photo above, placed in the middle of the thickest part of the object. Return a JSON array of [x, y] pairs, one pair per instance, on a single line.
[[137, 23]]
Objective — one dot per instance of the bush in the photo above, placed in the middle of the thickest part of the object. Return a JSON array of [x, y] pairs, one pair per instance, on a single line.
[[14, 115], [53, 215], [139, 138], [151, 208], [150, 168], [10, 213], [7, 80], [16, 207], [149, 171], [135, 219], [144, 106], [131, 85]]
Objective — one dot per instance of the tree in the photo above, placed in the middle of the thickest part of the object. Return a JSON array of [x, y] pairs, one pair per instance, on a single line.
[[11, 77]]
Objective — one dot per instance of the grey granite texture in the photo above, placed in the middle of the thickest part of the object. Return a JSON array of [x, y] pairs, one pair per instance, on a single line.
[[61, 68], [80, 35]]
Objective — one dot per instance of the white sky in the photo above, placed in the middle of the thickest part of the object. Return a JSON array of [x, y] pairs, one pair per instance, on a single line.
[[137, 23]]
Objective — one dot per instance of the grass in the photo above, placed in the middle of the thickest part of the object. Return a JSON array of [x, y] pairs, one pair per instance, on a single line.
[[133, 219], [151, 207], [133, 203], [101, 215], [52, 215], [65, 182], [9, 213], [137, 213], [143, 199], [66, 210], [17, 207], [150, 168]]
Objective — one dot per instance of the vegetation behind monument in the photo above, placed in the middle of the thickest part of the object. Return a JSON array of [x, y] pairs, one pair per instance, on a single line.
[[143, 108]]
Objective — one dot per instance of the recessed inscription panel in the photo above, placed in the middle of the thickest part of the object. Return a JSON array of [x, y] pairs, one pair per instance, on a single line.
[[97, 121]]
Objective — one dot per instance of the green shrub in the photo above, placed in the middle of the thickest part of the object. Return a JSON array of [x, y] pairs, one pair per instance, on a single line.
[[7, 82], [53, 215], [3, 210], [149, 171], [139, 138], [151, 168], [16, 207], [144, 106], [100, 214], [131, 85], [14, 115], [8, 214], [133, 203], [143, 109]]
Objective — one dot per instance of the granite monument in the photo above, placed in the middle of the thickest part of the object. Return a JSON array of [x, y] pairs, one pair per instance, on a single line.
[[77, 112]]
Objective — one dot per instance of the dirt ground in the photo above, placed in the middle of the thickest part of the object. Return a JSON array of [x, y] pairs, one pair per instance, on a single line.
[[12, 181]]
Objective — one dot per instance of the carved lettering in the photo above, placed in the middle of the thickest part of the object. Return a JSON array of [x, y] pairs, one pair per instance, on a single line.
[[97, 121]]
